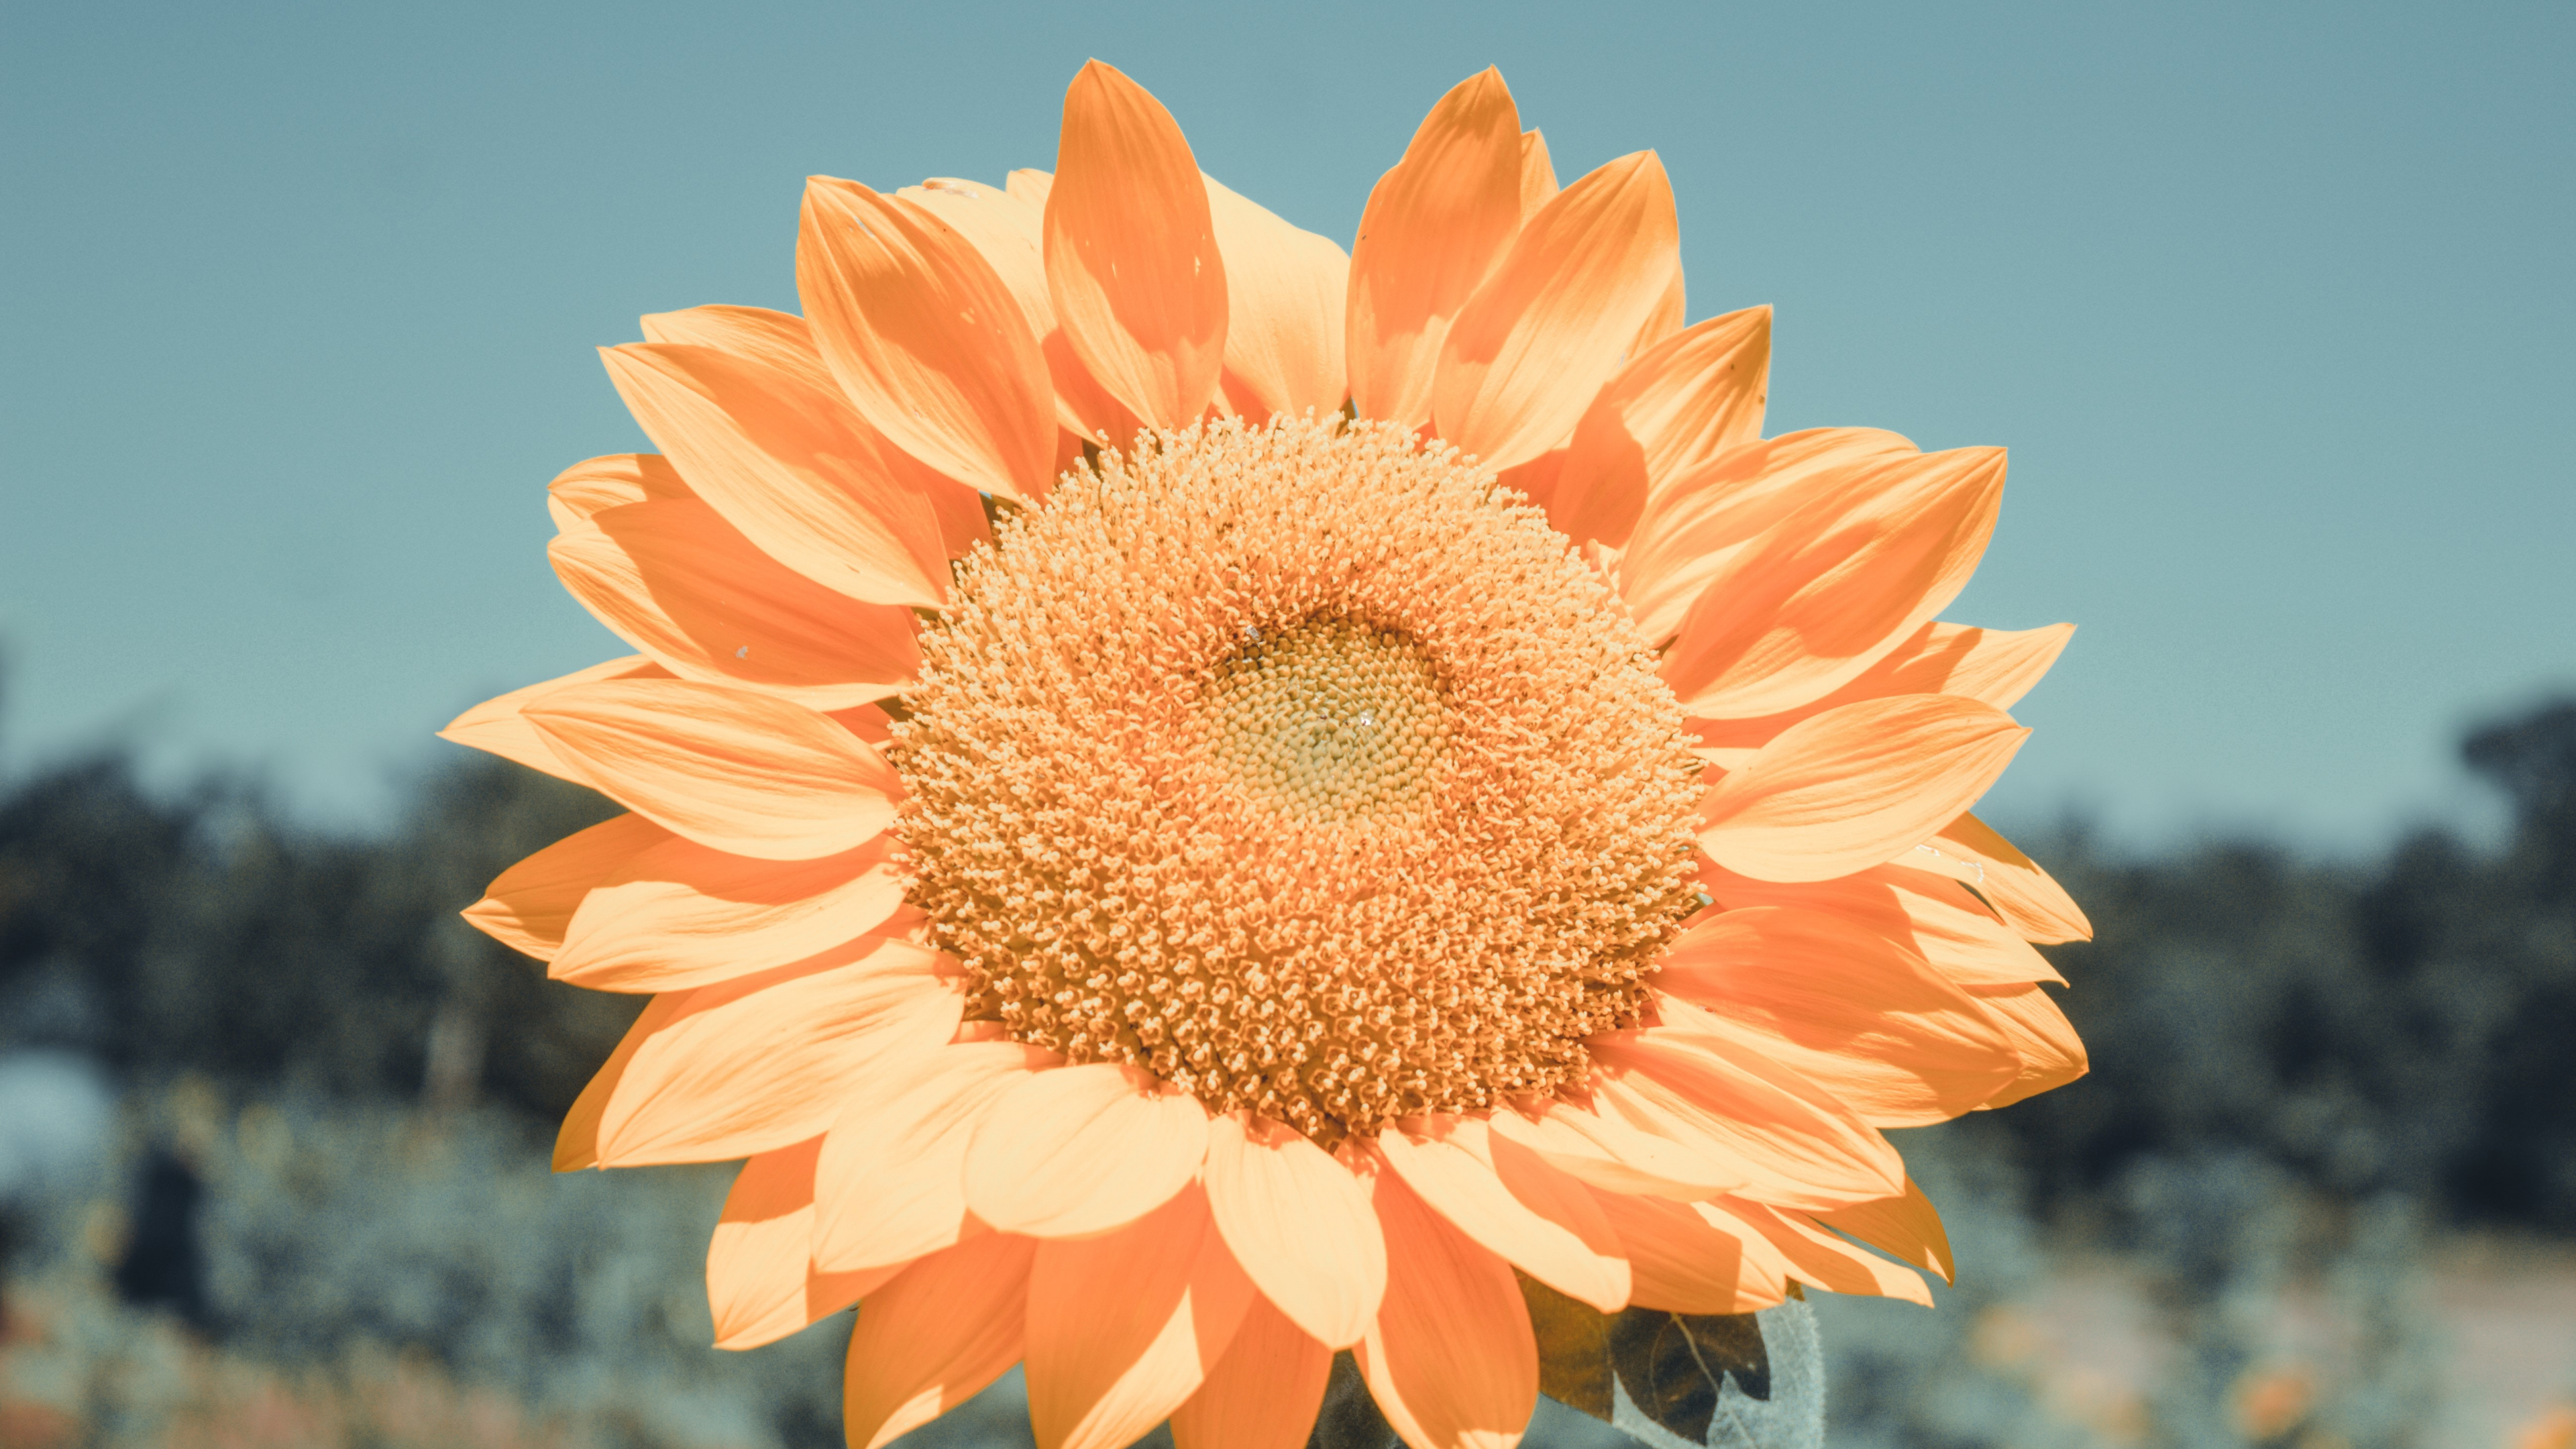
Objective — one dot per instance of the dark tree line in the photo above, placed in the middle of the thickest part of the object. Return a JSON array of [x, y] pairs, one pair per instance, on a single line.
[[2407, 1025], [199, 933]]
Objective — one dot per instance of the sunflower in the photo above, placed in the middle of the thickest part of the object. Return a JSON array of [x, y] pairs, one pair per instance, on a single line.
[[1200, 801]]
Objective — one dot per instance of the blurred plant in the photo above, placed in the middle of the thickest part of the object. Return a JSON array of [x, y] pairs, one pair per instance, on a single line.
[[2390, 1388], [1968, 1372], [2552, 1428], [384, 1266], [2271, 1404], [2216, 1232]]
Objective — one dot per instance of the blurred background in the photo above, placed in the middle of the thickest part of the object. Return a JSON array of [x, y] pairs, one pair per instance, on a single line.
[[2271, 306]]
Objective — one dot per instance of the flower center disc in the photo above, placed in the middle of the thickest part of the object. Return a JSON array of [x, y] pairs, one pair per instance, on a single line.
[[1309, 771], [1327, 720]]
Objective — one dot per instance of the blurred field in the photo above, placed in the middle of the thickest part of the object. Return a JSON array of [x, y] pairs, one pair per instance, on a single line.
[[2498, 1317], [2319, 1191]]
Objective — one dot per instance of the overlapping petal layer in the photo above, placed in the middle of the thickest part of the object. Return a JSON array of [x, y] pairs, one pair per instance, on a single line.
[[762, 1283], [732, 770], [1133, 266], [1435, 225], [1548, 326], [1124, 1326]]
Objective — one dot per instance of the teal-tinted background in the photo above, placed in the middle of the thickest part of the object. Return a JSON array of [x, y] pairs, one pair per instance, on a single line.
[[2270, 303]]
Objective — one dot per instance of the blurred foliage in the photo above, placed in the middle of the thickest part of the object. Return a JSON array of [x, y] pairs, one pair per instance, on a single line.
[[2211, 1249], [380, 1275], [202, 934], [2402, 1026], [1900, 1377]]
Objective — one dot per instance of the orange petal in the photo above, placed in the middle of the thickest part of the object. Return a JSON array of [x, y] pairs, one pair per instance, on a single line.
[[1856, 786], [893, 1176], [1837, 586], [776, 457], [782, 340], [1997, 666], [1606, 1151], [1434, 227], [733, 770], [1131, 251], [1003, 229], [1538, 174], [1549, 327], [756, 1259], [761, 1285], [1930, 915], [528, 906], [1449, 1358], [577, 1141], [2051, 1053], [1299, 1222], [1008, 228], [1991, 666], [1959, 934], [1696, 524], [1285, 295], [1763, 1261], [1969, 850], [962, 521], [868, 722], [675, 580], [934, 1337], [1558, 1197], [1263, 1392], [1083, 410], [1665, 322], [1679, 1262], [758, 1062], [1819, 1258], [1906, 1228], [1082, 1150], [679, 915], [1450, 1164], [1535, 479], [928, 343], [497, 728], [596, 483], [1083, 406], [1846, 1007], [773, 338], [1124, 1327], [1792, 1139], [1669, 412]]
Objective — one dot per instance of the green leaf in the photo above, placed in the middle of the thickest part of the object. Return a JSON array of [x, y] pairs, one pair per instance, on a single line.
[[1697, 1379], [1670, 1363], [1665, 1378]]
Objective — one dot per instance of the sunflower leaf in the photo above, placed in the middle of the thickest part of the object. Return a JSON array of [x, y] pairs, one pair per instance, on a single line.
[[1738, 1381]]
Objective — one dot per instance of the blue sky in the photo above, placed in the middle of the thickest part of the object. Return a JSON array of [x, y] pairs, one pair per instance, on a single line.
[[2271, 304]]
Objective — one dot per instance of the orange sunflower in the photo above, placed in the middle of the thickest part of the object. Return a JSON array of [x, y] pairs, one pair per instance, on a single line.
[[1199, 801]]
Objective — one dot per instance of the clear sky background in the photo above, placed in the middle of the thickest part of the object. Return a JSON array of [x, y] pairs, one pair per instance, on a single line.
[[2272, 305]]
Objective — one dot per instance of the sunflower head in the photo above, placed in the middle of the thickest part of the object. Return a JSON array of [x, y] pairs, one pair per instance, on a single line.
[[1303, 768], [1199, 800]]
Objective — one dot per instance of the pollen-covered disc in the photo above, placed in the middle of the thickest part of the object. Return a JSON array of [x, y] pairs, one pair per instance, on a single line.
[[1304, 768]]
